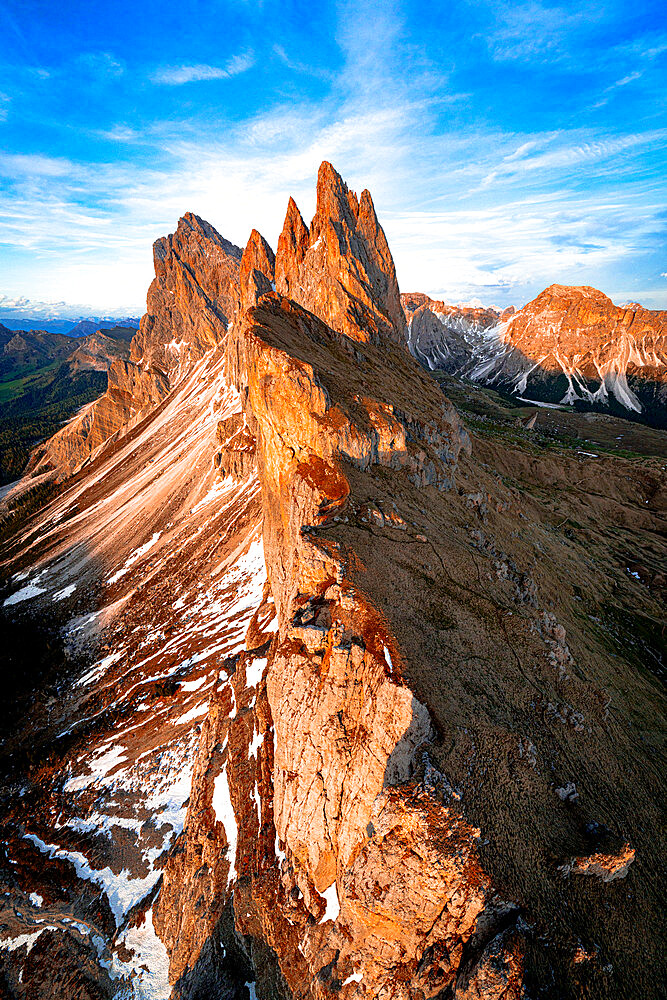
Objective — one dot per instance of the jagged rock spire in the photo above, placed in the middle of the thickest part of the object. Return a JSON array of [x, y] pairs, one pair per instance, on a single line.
[[257, 275], [292, 246], [341, 269]]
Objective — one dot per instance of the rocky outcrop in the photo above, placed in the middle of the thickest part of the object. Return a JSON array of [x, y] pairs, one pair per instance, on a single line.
[[258, 271], [341, 269], [569, 346]]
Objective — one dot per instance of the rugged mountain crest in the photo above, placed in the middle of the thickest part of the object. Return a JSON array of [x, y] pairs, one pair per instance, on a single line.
[[342, 269], [293, 244], [597, 349], [194, 296]]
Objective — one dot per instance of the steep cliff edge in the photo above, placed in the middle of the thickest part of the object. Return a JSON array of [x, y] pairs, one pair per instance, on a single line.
[[411, 774], [430, 771]]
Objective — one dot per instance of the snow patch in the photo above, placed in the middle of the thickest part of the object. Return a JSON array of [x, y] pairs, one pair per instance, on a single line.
[[193, 685], [254, 672], [11, 944], [224, 813], [194, 713], [134, 557], [148, 968], [99, 768], [330, 896], [24, 594], [122, 891], [257, 740]]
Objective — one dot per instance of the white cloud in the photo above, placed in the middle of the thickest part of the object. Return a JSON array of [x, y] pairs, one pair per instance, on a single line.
[[5, 101], [177, 75], [623, 82], [30, 308]]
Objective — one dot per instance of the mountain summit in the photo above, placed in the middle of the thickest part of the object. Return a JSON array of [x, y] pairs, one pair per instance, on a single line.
[[341, 269]]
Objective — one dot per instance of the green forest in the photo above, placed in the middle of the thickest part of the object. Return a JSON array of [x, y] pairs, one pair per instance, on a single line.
[[34, 403]]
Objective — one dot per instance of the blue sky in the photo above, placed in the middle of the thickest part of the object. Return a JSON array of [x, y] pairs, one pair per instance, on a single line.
[[507, 145]]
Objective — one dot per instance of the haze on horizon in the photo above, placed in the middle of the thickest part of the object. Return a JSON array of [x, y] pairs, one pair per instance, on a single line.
[[507, 145]]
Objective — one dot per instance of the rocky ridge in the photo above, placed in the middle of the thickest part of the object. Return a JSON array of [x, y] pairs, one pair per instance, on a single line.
[[398, 781]]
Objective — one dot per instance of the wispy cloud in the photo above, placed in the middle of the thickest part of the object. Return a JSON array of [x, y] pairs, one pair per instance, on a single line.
[[300, 67], [101, 64], [624, 81], [177, 75], [563, 155], [533, 31], [5, 101], [19, 165]]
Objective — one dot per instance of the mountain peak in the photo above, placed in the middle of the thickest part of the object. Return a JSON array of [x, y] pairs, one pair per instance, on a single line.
[[341, 268]]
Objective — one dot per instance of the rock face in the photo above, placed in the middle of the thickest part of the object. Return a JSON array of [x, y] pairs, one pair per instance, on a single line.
[[569, 345], [425, 739], [258, 270], [442, 336]]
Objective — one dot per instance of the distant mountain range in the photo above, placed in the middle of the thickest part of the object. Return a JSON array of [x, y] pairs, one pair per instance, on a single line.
[[569, 346], [71, 327]]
